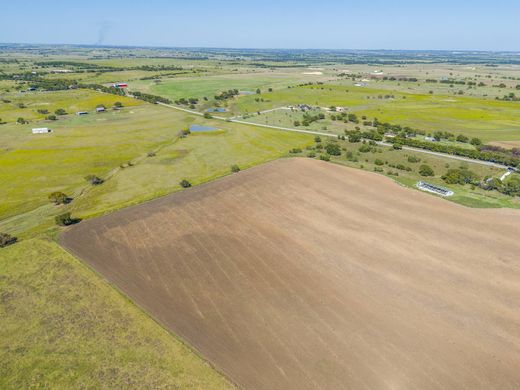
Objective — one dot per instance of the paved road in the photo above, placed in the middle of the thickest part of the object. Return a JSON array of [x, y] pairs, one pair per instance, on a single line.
[[459, 158]]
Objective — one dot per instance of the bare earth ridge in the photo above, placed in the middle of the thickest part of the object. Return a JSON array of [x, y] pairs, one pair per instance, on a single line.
[[301, 274]]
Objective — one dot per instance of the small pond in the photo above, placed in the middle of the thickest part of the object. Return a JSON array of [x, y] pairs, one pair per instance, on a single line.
[[196, 128], [217, 109]]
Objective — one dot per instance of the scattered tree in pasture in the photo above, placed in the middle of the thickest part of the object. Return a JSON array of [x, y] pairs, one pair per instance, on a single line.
[[58, 197], [185, 183], [6, 239], [426, 170]]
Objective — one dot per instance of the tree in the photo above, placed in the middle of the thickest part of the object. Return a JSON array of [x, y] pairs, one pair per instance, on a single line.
[[185, 183], [258, 91], [64, 219], [94, 180], [6, 239], [426, 170], [317, 139], [333, 149], [235, 168], [462, 138], [51, 117], [397, 146], [58, 197], [460, 176], [118, 104], [354, 137], [21, 121], [207, 115], [60, 111], [476, 141], [324, 157]]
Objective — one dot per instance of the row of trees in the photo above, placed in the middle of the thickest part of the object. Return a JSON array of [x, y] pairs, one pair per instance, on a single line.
[[484, 155]]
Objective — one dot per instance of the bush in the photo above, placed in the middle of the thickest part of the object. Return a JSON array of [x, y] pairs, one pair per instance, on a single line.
[[6, 239], [295, 150], [94, 180], [207, 115], [118, 104], [235, 168], [317, 139], [460, 176], [60, 111], [365, 148], [413, 159], [353, 138], [426, 170], [185, 183], [462, 138], [64, 219], [311, 154], [51, 117], [58, 197], [379, 162], [324, 157], [333, 149], [397, 146]]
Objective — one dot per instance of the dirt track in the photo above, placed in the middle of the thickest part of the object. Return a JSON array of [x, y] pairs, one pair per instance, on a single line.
[[301, 274]]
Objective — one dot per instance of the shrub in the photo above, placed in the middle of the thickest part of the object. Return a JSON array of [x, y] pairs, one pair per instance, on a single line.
[[185, 183], [51, 117], [94, 180], [426, 170], [324, 157], [150, 154], [378, 169], [353, 138], [295, 150], [365, 148], [397, 146], [460, 176], [317, 139], [462, 138], [6, 239], [207, 115], [311, 154], [235, 168], [60, 111], [379, 162], [118, 104], [333, 149], [58, 197], [64, 219], [413, 159]]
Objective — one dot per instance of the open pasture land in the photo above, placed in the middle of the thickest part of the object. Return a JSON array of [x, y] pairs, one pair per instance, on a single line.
[[487, 119], [300, 274], [209, 86]]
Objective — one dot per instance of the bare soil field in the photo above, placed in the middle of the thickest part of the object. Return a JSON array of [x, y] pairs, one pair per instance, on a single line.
[[301, 274]]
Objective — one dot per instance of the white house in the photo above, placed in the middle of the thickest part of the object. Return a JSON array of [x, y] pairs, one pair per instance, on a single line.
[[41, 130]]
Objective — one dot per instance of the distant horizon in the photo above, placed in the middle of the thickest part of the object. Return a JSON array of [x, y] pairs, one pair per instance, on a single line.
[[151, 46]]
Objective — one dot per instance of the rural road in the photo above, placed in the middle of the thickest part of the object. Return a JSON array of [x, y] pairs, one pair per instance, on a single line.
[[312, 132]]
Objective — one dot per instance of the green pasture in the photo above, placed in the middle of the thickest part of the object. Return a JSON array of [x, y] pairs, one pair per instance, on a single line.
[[209, 86], [63, 327], [489, 120], [71, 101]]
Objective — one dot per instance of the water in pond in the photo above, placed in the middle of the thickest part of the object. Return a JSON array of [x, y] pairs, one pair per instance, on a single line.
[[218, 109], [195, 128]]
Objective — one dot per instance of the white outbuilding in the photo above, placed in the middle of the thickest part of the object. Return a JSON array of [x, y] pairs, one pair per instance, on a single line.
[[41, 130]]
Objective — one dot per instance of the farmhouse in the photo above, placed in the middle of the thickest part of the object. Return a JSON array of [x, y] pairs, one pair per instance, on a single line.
[[41, 130], [100, 109], [81, 113]]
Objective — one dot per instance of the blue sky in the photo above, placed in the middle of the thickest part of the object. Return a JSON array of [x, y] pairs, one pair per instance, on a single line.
[[331, 24]]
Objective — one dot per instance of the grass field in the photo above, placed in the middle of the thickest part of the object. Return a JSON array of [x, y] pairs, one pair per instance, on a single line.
[[489, 120], [63, 327], [209, 86], [71, 101]]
